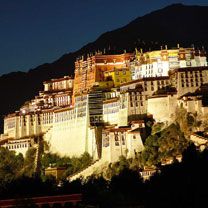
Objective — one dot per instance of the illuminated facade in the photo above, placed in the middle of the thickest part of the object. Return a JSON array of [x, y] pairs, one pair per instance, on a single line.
[[123, 141], [159, 63], [96, 108], [91, 70], [118, 76]]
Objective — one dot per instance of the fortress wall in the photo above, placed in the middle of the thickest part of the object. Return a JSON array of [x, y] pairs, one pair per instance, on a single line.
[[68, 138], [134, 144], [162, 108], [91, 143], [111, 118]]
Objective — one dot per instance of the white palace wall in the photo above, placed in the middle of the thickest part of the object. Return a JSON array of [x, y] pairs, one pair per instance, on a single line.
[[162, 107], [68, 138]]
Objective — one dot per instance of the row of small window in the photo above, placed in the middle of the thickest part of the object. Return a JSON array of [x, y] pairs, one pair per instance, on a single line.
[[160, 70], [122, 81], [196, 74], [191, 80], [136, 97], [153, 89], [24, 119], [190, 84], [111, 105], [24, 123], [136, 93], [58, 84], [65, 118], [149, 72], [62, 103], [148, 66], [48, 121], [47, 118], [146, 173], [117, 140], [123, 72], [110, 111], [162, 82], [96, 119], [132, 104], [106, 142], [17, 146]]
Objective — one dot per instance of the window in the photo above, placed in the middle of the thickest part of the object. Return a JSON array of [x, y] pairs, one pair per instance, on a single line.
[[123, 139], [24, 121], [124, 71], [160, 70], [38, 119], [192, 84], [106, 141], [116, 139]]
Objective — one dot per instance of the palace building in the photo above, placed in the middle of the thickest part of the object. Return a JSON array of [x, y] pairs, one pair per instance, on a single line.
[[98, 68], [159, 63], [100, 111]]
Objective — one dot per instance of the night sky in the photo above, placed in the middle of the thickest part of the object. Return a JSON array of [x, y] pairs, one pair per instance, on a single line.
[[33, 32]]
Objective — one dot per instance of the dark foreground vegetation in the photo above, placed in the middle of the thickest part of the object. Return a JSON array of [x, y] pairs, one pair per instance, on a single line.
[[177, 185]]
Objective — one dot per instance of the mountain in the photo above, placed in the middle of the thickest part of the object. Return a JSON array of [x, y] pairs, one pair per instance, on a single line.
[[173, 24]]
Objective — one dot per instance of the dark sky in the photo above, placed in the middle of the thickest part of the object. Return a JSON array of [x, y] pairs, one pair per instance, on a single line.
[[33, 32]]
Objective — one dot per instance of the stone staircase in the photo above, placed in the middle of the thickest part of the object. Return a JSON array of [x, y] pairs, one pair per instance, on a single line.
[[37, 155], [39, 150], [95, 168]]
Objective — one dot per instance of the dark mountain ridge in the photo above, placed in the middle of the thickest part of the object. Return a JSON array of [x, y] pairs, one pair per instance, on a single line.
[[174, 24]]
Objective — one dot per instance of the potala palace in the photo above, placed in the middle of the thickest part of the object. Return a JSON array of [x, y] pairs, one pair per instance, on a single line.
[[102, 110]]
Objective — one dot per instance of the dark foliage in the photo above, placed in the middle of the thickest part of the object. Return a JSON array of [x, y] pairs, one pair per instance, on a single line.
[[178, 185]]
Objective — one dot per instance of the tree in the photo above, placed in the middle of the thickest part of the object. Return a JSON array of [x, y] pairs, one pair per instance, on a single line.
[[117, 168], [29, 162], [50, 159], [169, 143], [187, 121], [10, 165]]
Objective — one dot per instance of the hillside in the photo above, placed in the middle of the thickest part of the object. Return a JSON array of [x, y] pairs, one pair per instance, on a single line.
[[171, 25]]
